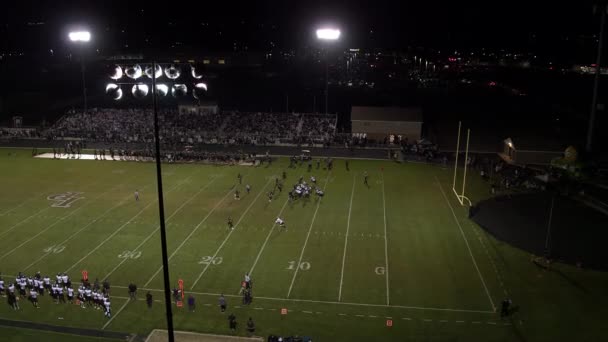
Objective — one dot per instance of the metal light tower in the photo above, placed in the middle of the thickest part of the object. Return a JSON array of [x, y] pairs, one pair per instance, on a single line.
[[329, 35], [81, 38], [603, 8]]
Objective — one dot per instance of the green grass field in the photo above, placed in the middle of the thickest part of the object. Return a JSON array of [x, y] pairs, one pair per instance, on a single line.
[[401, 249]]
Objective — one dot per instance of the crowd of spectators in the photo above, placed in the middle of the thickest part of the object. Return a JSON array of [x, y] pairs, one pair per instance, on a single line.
[[136, 125]]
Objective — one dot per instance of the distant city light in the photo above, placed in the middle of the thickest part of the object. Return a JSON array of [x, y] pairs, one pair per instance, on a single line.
[[80, 36], [328, 34]]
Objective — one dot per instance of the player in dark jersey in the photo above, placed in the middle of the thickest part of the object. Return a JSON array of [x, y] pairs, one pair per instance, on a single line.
[[230, 224], [365, 176]]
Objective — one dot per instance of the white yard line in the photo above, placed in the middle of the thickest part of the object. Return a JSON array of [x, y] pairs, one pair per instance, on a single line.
[[467, 244], [230, 234], [332, 302], [122, 226], [81, 229], [116, 314], [190, 235], [24, 220], [350, 207], [385, 241], [71, 213], [312, 222], [257, 258], [143, 242]]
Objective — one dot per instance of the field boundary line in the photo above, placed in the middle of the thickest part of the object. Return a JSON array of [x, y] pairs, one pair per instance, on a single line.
[[230, 233], [124, 225], [190, 235], [158, 226], [60, 219], [388, 302], [116, 314], [312, 222], [467, 244], [350, 207], [73, 235]]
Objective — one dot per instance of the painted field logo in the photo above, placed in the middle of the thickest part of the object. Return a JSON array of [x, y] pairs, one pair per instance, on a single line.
[[65, 199]]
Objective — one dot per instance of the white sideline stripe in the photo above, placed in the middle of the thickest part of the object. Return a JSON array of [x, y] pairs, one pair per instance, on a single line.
[[116, 314], [350, 207], [189, 236], [58, 221], [385, 240], [230, 233], [312, 300], [467, 244], [122, 226], [81, 229], [158, 226], [314, 216]]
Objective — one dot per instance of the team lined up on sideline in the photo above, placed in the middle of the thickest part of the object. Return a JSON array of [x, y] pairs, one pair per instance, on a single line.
[[33, 287]]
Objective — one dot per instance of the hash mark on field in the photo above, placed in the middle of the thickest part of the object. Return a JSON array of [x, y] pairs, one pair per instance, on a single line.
[[342, 314], [427, 320], [259, 308], [308, 312], [360, 315], [406, 318], [459, 321], [372, 316]]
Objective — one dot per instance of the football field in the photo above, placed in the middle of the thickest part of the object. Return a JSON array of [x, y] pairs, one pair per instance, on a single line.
[[398, 251]]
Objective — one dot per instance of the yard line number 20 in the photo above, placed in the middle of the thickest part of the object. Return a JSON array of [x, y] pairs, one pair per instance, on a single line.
[[304, 265]]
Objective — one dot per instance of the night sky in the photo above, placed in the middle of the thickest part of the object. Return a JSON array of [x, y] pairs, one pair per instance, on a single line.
[[289, 24]]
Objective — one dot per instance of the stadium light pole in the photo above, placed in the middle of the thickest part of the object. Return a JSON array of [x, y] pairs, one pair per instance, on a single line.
[[81, 38], [603, 8], [161, 213], [328, 35]]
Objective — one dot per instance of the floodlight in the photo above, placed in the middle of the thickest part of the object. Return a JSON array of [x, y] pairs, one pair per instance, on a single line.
[[179, 90], [328, 34], [80, 36], [172, 72], [117, 73], [134, 72], [194, 74], [140, 90], [200, 89], [114, 91], [162, 89], [158, 71]]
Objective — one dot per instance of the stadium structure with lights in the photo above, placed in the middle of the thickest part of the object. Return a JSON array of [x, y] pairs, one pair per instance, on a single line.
[[177, 80]]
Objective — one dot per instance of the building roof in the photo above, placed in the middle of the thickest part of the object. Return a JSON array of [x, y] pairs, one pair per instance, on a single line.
[[362, 113]]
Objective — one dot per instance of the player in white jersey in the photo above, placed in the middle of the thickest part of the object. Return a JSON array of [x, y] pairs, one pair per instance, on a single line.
[[22, 286], [41, 287], [30, 282], [81, 295], [34, 297], [136, 194], [1, 287], [106, 303], [59, 279], [88, 294], [47, 282], [71, 295], [65, 279], [280, 222], [60, 295]]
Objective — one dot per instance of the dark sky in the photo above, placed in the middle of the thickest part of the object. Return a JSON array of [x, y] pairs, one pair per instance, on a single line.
[[364, 23]]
